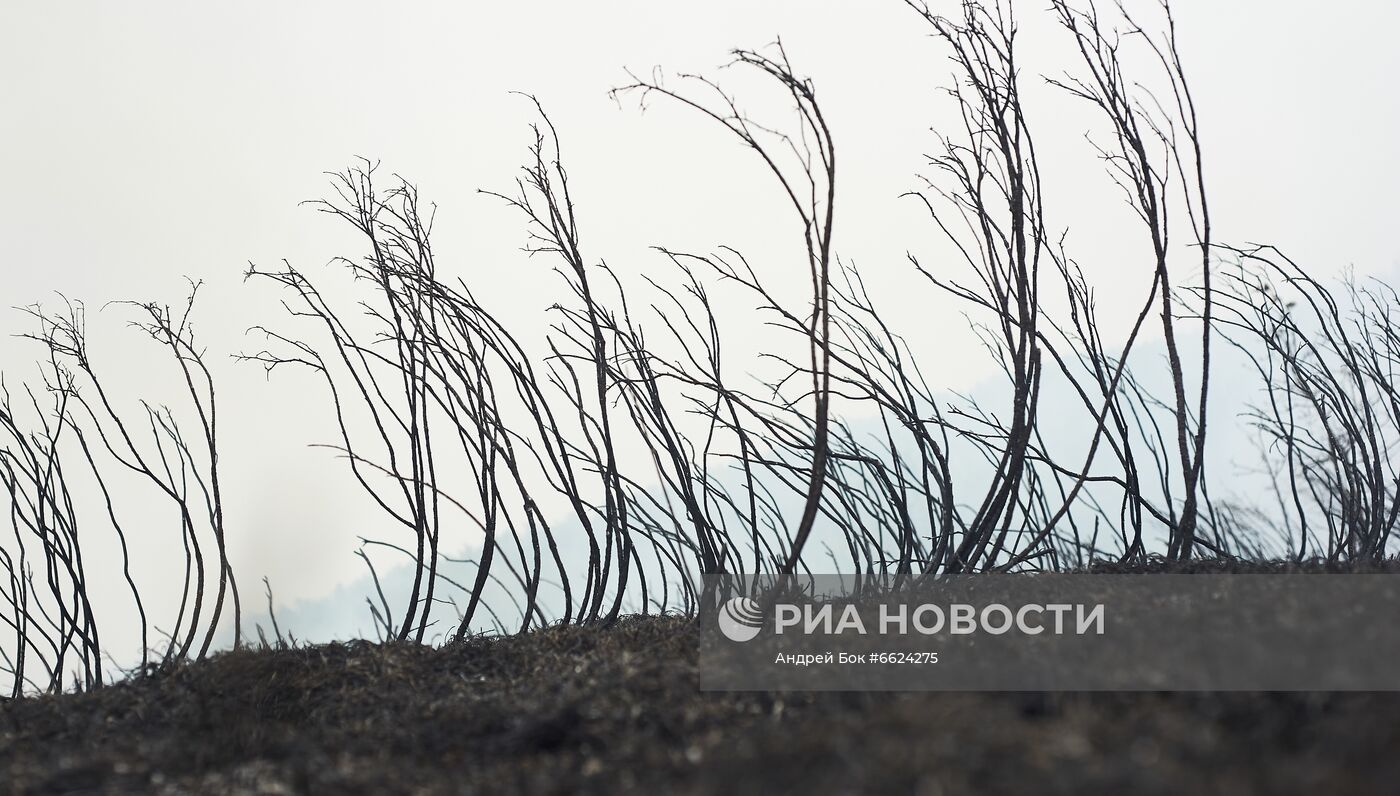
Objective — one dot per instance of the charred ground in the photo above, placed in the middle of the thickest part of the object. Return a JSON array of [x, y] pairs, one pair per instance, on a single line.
[[570, 709]]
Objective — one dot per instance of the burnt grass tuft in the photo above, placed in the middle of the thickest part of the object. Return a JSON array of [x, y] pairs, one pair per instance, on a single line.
[[608, 710]]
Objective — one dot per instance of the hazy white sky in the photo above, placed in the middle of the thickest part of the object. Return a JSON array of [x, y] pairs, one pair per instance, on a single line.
[[147, 141]]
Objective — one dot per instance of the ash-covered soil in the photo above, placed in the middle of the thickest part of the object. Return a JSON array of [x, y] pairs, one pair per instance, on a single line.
[[617, 710]]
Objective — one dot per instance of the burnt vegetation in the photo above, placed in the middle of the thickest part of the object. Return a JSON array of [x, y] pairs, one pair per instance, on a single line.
[[571, 709], [668, 465]]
